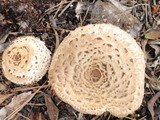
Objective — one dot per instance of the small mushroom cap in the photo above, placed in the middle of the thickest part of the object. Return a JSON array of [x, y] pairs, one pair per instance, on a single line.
[[25, 60], [99, 68]]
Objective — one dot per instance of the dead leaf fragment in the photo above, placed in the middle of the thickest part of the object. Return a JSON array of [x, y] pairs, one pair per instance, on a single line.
[[17, 103], [2, 20], [156, 48], [118, 5], [4, 35], [82, 6], [151, 104], [155, 8], [153, 34], [2, 87], [106, 12], [38, 116], [52, 109], [4, 97]]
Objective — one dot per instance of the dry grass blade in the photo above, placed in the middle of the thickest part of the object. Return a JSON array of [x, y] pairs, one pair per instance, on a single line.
[[52, 109], [30, 88], [66, 8], [151, 104], [152, 35]]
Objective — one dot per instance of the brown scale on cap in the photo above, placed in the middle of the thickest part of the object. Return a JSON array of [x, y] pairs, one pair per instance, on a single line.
[[25, 60], [99, 68]]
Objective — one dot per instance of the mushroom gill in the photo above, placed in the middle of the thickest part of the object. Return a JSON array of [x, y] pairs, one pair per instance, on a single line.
[[25, 60], [99, 68]]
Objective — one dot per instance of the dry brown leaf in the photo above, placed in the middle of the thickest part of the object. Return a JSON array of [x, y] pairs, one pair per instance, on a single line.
[[155, 8], [151, 104], [52, 109], [2, 87], [153, 34], [38, 116], [4, 35], [144, 43], [17, 103], [4, 97], [106, 12]]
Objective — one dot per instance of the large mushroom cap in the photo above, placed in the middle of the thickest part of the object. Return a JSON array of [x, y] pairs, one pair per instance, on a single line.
[[25, 60], [99, 68]]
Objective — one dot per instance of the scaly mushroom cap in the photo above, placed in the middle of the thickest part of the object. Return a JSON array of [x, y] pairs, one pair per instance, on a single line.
[[99, 68], [25, 60]]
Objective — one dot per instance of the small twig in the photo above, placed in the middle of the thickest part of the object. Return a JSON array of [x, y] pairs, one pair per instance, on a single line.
[[137, 6], [31, 104], [85, 15], [93, 1], [154, 2], [148, 93], [30, 88], [52, 8], [66, 8], [60, 6], [81, 21], [58, 103], [149, 78], [130, 118], [57, 39], [20, 114], [151, 90], [143, 118], [61, 29], [109, 117], [123, 7], [146, 10]]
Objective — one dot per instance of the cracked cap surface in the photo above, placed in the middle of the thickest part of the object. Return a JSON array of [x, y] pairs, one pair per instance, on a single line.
[[99, 68], [25, 60]]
